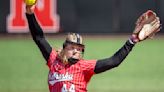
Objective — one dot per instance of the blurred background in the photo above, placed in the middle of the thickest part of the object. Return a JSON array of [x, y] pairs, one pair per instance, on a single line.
[[82, 16], [105, 26]]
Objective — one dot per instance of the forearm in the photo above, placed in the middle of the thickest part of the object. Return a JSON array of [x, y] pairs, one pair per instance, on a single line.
[[37, 35], [34, 27], [111, 62]]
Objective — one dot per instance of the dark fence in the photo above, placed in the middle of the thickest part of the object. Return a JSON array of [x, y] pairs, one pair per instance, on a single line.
[[95, 16]]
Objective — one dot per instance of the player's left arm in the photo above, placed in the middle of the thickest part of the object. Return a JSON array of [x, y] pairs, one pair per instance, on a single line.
[[115, 60], [141, 32]]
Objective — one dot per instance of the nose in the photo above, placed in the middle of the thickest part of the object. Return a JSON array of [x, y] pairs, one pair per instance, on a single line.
[[75, 51]]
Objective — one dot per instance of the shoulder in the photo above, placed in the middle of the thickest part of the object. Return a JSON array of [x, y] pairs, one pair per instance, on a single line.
[[87, 63], [52, 57], [87, 66], [53, 54]]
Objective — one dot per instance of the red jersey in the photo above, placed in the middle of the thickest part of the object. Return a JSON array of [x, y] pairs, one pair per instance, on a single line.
[[69, 78]]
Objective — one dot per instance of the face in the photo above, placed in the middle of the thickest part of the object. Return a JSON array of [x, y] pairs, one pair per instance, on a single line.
[[73, 50]]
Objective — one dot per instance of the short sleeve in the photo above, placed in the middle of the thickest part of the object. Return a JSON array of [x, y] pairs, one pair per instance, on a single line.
[[52, 58], [88, 66]]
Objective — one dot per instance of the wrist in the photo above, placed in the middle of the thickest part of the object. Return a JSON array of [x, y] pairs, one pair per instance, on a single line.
[[134, 39], [29, 10], [130, 41]]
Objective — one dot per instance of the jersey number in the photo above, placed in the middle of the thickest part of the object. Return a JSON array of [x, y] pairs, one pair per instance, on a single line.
[[71, 89]]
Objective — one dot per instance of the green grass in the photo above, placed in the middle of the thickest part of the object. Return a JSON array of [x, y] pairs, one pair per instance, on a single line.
[[23, 69]]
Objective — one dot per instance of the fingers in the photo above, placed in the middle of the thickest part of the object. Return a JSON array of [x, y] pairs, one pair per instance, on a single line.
[[30, 6], [146, 18], [140, 19], [150, 14], [154, 21], [156, 25], [30, 9], [137, 29], [159, 28], [154, 28], [153, 34], [149, 22]]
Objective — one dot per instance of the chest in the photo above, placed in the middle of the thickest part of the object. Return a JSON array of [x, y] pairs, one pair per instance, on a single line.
[[61, 72], [64, 69]]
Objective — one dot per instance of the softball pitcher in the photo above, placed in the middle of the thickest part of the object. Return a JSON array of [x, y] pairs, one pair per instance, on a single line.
[[68, 71]]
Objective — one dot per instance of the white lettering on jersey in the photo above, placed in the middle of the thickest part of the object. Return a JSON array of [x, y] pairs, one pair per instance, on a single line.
[[56, 77]]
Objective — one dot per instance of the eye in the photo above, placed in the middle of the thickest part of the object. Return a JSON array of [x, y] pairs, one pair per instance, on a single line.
[[69, 47], [79, 49], [72, 48]]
